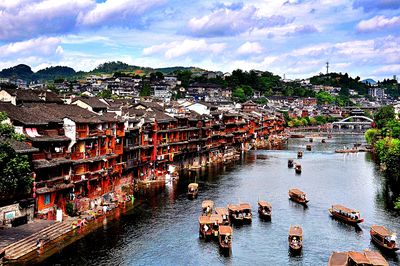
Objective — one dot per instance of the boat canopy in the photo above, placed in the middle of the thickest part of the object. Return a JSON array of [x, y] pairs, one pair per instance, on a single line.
[[358, 258], [216, 218], [376, 258], [264, 204], [381, 230], [207, 203], [205, 220], [233, 207], [222, 211], [225, 230], [297, 191], [296, 231], [338, 259], [344, 209], [244, 206], [194, 185]]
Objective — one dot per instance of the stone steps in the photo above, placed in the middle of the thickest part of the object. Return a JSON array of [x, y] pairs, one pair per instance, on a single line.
[[29, 244]]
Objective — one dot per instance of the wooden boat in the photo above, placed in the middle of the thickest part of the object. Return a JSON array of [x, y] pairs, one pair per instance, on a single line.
[[323, 141], [262, 157], [295, 238], [383, 237], [205, 226], [225, 237], [366, 258], [235, 213], [347, 151], [264, 210], [308, 147], [298, 196], [338, 259], [375, 258], [193, 190], [216, 220], [345, 214], [296, 136], [207, 207], [299, 154], [245, 209], [224, 213], [290, 163], [297, 168]]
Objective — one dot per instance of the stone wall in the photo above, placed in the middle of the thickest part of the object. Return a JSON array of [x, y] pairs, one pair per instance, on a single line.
[[10, 212]]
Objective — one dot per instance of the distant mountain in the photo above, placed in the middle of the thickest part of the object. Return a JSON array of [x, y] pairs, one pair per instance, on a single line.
[[17, 72], [25, 72], [51, 73], [370, 81]]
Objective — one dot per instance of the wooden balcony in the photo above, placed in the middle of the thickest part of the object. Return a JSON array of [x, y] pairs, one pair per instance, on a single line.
[[38, 156], [119, 149], [77, 156], [120, 132]]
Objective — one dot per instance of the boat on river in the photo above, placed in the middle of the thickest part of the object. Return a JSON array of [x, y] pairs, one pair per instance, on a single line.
[[295, 238], [296, 136], [205, 226], [366, 258], [193, 190], [224, 213], [298, 196], [290, 163], [297, 168], [207, 207], [264, 209], [245, 208], [345, 214], [225, 237], [299, 154], [235, 213], [308, 147], [383, 238], [352, 258]]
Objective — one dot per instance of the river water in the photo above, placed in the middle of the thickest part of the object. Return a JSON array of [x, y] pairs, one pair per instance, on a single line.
[[164, 230]]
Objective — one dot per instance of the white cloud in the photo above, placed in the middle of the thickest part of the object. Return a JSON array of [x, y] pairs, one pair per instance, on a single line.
[[250, 48], [37, 47], [378, 23], [187, 46]]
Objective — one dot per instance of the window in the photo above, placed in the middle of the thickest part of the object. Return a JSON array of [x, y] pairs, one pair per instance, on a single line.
[[46, 199]]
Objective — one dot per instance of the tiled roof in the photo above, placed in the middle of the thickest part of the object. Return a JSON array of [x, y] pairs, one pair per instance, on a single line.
[[19, 146], [94, 102]]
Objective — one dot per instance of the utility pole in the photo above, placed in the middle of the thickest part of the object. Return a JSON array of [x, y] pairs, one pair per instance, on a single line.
[[327, 68]]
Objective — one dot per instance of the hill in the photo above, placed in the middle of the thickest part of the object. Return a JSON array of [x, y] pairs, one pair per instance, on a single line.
[[369, 81], [17, 72]]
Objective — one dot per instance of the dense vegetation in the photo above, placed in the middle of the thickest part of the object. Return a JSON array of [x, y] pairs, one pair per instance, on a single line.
[[386, 141], [15, 173]]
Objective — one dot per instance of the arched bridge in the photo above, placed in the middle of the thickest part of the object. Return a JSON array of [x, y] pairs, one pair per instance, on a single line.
[[353, 123]]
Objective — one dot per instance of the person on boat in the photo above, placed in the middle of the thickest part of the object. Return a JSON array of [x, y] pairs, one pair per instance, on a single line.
[[206, 228]]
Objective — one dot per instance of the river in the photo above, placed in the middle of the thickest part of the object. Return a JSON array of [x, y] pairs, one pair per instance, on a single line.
[[164, 230]]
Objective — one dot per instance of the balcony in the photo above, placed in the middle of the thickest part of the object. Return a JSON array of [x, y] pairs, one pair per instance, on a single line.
[[77, 156], [120, 132], [38, 156], [108, 132], [119, 149]]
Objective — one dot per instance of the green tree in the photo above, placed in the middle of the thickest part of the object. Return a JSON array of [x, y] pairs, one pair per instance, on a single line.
[[145, 91], [384, 115], [238, 94], [371, 134], [105, 94], [15, 172]]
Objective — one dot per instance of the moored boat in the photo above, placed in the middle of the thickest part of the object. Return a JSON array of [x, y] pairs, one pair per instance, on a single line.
[[264, 210], [375, 258], [207, 207], [297, 168], [298, 196], [225, 237], [290, 163], [205, 226], [295, 238], [366, 258], [345, 214], [193, 190], [308, 147], [299, 154], [224, 213], [245, 209], [296, 136], [235, 214], [383, 237]]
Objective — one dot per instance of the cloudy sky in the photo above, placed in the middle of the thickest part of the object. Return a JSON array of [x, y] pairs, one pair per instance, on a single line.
[[292, 37]]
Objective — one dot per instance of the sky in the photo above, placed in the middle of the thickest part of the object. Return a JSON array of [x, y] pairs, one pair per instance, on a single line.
[[294, 38]]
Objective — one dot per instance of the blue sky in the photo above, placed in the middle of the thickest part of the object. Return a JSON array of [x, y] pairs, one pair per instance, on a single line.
[[292, 37]]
